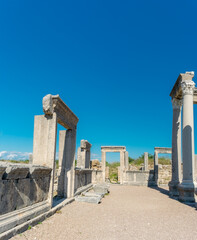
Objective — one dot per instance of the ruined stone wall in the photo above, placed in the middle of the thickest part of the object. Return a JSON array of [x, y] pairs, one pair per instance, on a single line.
[[164, 174], [97, 176], [22, 185], [83, 177], [139, 178]]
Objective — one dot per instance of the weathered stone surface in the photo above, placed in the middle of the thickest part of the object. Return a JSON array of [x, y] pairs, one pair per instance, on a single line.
[[90, 199], [30, 158], [83, 154], [22, 186], [2, 171], [95, 164], [92, 194], [83, 177], [101, 188], [16, 171], [39, 171]]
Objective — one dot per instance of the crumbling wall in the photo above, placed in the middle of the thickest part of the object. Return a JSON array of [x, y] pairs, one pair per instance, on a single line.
[[97, 176], [139, 178], [22, 185], [83, 177]]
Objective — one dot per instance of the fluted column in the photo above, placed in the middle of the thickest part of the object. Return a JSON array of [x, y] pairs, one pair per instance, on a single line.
[[186, 188], [176, 148]]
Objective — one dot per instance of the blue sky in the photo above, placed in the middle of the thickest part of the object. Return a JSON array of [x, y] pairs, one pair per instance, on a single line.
[[113, 63]]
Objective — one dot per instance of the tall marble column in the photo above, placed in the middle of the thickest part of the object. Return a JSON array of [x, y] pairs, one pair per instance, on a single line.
[[103, 160], [186, 188], [122, 165], [146, 161], [156, 167], [126, 159], [176, 148], [70, 145]]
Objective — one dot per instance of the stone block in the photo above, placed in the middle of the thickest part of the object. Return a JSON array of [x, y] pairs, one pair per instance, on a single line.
[[92, 194], [2, 171], [16, 171], [89, 199], [101, 188], [39, 171]]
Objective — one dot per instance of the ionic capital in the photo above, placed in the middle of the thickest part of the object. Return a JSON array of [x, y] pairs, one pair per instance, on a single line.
[[187, 87], [177, 103]]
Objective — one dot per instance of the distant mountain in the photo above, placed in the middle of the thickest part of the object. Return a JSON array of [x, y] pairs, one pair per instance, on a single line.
[[11, 155]]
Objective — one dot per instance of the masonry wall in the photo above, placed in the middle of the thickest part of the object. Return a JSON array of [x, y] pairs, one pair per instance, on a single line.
[[83, 177], [97, 176], [22, 185], [139, 178]]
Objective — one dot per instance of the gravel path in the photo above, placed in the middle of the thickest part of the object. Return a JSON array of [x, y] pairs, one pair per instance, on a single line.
[[126, 213]]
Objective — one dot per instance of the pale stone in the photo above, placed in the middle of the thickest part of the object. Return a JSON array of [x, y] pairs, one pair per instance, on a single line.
[[188, 184], [122, 151], [176, 148], [89, 199], [156, 159], [126, 157], [30, 158], [83, 154], [146, 161]]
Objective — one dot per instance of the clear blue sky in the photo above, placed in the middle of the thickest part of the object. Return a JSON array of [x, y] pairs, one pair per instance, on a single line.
[[114, 64]]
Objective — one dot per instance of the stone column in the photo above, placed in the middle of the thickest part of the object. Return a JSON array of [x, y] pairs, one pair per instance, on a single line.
[[176, 148], [103, 160], [126, 157], [146, 161], [186, 188], [62, 162], [87, 162], [156, 167], [70, 145], [122, 166], [44, 145]]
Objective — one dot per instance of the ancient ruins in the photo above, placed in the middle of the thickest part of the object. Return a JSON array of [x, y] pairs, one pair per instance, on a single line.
[[27, 190]]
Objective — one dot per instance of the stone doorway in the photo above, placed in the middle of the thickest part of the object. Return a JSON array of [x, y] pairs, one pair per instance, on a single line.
[[123, 160]]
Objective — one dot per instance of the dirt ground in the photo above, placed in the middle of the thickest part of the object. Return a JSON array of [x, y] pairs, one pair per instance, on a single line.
[[126, 213]]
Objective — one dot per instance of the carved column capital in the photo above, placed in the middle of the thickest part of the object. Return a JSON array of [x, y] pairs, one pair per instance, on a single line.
[[187, 87], [177, 103]]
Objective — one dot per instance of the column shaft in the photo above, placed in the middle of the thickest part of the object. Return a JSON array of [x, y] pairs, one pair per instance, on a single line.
[[186, 188], [70, 145], [103, 160], [176, 148], [145, 161]]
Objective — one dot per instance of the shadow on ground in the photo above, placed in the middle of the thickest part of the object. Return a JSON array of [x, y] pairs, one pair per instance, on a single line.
[[166, 192]]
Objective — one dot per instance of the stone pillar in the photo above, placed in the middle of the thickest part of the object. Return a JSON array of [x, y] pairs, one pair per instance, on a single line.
[[146, 161], [62, 162], [44, 145], [69, 177], [87, 162], [103, 160], [122, 165], [176, 148], [156, 167], [83, 155], [186, 188], [126, 157], [30, 158]]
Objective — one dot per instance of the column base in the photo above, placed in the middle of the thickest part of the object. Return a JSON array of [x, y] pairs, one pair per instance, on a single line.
[[186, 191], [173, 188]]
